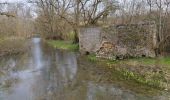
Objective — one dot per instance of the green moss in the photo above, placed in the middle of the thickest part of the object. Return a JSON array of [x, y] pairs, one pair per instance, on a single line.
[[65, 45]]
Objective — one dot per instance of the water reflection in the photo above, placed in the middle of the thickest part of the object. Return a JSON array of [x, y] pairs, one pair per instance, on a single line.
[[111, 92], [101, 92], [22, 90], [44, 76], [37, 53], [66, 65]]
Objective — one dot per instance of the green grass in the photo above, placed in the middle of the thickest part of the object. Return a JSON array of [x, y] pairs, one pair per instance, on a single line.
[[165, 60], [70, 36], [92, 58], [155, 80], [146, 61], [151, 61], [65, 45], [143, 60]]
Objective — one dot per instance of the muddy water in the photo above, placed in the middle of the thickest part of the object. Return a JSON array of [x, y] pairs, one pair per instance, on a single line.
[[47, 74]]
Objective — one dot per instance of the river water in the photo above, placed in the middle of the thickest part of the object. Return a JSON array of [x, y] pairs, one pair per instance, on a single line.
[[47, 74]]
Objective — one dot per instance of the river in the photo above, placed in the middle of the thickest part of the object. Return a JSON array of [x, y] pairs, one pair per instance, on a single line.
[[47, 74]]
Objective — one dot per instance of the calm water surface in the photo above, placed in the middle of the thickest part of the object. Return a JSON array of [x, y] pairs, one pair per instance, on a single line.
[[47, 74]]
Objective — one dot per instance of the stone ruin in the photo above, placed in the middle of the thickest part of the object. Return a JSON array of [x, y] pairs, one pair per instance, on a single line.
[[119, 41], [165, 45]]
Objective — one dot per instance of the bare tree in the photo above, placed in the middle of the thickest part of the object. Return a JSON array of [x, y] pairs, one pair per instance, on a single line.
[[6, 13], [93, 10], [150, 3]]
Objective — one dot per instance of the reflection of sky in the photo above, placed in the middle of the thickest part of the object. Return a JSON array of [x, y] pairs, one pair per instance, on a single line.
[[37, 53], [107, 92], [111, 92], [67, 65], [21, 88]]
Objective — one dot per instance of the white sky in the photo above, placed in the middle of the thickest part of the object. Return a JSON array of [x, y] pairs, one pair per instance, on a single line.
[[13, 0]]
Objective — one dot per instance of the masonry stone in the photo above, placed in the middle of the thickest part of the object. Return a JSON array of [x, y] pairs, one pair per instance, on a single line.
[[119, 41]]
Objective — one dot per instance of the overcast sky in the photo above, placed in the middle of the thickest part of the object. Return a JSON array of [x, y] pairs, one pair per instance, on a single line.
[[13, 0]]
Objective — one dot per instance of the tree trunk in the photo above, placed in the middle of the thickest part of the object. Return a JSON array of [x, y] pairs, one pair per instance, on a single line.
[[76, 27], [76, 37]]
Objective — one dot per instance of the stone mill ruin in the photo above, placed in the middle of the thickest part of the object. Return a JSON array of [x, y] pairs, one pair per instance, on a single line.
[[119, 41]]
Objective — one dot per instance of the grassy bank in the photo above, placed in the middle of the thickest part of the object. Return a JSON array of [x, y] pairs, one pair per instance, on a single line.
[[65, 45], [104, 71], [12, 45], [147, 71]]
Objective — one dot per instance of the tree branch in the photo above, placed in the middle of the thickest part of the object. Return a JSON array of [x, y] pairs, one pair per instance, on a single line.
[[7, 14]]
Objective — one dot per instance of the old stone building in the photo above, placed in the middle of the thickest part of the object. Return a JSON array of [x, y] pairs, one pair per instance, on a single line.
[[119, 41]]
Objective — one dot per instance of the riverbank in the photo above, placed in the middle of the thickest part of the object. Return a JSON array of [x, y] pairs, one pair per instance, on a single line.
[[100, 73], [151, 72], [12, 45], [64, 45], [144, 71]]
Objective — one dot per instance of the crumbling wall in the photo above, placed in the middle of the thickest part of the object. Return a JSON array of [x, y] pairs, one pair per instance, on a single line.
[[120, 41], [165, 47], [138, 39]]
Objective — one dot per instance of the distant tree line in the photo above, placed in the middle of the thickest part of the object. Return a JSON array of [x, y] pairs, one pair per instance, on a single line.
[[15, 20], [64, 18]]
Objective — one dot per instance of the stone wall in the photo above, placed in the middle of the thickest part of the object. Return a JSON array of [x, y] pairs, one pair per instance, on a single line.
[[165, 45], [89, 39], [119, 41]]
